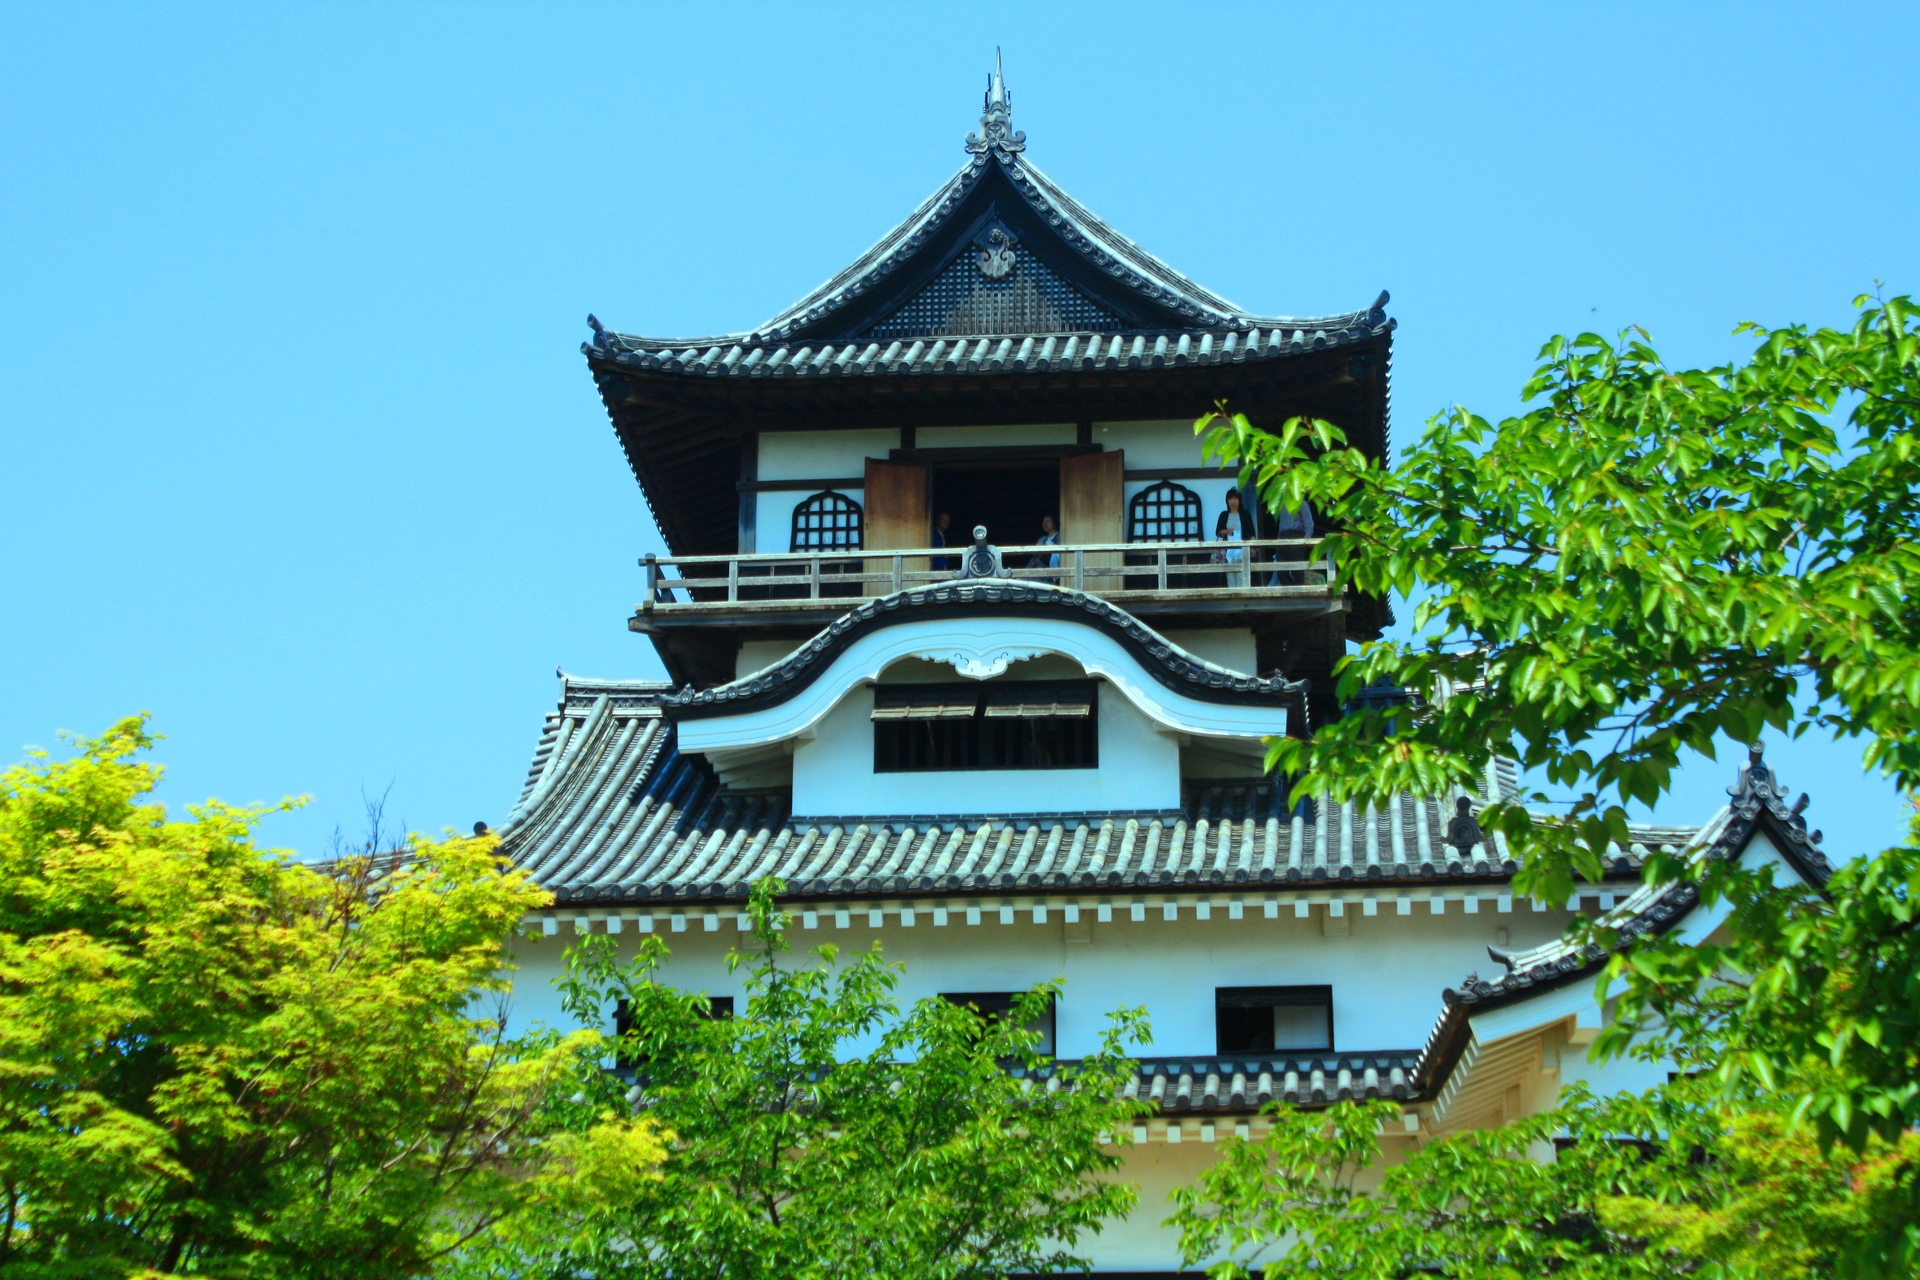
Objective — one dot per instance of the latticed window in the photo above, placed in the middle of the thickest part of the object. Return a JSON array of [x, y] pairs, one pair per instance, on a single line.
[[827, 521], [1164, 512]]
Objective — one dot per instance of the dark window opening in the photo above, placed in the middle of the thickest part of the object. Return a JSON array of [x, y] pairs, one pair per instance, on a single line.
[[1008, 498], [1026, 724], [717, 1007], [1273, 1019], [995, 1006]]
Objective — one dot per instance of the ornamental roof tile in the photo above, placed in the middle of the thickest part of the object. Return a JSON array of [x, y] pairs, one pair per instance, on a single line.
[[1031, 261], [612, 812], [1245, 1084], [1168, 663], [739, 356], [1757, 804]]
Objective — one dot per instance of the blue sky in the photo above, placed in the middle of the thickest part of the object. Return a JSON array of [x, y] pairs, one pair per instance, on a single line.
[[298, 452]]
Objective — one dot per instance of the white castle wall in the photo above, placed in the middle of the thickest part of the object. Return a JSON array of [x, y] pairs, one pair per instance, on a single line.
[[825, 455], [1386, 972], [833, 771]]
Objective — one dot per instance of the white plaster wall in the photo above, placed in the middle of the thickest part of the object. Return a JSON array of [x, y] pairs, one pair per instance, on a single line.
[[833, 771], [1230, 647], [1386, 972], [1386, 975], [1151, 444], [773, 514], [758, 655], [810, 455], [1613, 1075], [1213, 497], [985, 437]]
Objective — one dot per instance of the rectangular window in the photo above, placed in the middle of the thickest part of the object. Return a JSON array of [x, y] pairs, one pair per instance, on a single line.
[[1016, 724], [996, 1005], [1273, 1019], [717, 1007]]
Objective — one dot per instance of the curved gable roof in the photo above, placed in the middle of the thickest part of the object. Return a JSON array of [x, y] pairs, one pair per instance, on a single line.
[[1757, 807], [998, 191], [1173, 667], [999, 297]]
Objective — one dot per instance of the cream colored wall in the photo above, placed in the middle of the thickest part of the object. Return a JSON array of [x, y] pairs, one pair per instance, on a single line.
[[988, 437], [818, 455], [1386, 972], [833, 773], [1151, 444], [758, 655], [1230, 647]]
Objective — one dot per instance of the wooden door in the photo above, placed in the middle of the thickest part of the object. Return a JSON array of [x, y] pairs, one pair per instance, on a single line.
[[899, 515], [1092, 510]]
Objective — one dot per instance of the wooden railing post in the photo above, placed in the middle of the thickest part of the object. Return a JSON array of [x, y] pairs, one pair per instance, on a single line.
[[1107, 573]]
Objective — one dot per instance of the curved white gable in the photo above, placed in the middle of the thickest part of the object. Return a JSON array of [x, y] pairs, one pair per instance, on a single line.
[[982, 648]]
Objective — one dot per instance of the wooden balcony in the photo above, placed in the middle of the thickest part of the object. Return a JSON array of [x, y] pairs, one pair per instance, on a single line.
[[1168, 579]]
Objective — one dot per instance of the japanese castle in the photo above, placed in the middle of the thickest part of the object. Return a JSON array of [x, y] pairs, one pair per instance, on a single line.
[[958, 652]]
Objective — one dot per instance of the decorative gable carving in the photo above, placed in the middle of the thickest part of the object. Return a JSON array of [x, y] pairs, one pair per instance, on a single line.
[[993, 284]]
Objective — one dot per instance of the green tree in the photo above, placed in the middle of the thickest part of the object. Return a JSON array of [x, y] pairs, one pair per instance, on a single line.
[[1671, 1182], [1641, 561], [826, 1132], [217, 1061]]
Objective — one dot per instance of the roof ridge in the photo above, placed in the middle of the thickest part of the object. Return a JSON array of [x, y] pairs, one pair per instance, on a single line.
[[1757, 801], [1167, 661], [1108, 251]]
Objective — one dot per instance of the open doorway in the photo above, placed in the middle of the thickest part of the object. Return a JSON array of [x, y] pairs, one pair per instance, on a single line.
[[1008, 498]]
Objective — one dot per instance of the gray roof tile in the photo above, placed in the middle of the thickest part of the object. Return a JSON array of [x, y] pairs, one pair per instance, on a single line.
[[612, 812], [741, 356]]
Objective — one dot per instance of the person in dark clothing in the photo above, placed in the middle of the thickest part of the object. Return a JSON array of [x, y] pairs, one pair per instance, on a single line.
[[941, 523], [1234, 525]]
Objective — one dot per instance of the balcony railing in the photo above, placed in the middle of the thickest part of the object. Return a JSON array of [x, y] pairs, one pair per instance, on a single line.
[[1275, 570]]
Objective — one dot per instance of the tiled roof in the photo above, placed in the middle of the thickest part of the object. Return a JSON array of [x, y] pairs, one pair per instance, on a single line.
[[745, 357], [999, 299], [612, 812], [1245, 1084], [1173, 666], [996, 180], [1758, 803], [1092, 238]]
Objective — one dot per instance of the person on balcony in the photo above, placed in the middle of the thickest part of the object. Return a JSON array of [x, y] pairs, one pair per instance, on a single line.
[[1235, 526], [941, 523], [1292, 524], [1049, 537]]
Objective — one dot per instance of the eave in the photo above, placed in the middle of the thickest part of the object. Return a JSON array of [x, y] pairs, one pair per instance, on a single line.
[[682, 423]]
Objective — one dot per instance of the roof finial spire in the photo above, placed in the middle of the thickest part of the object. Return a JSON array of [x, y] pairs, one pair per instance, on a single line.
[[996, 121]]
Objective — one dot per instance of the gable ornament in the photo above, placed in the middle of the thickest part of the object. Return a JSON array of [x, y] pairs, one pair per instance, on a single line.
[[997, 257], [986, 664], [982, 559], [997, 136]]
